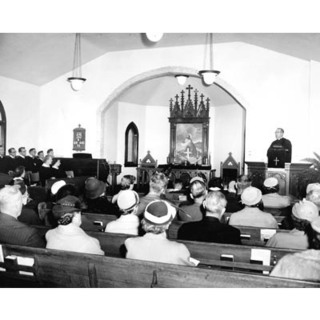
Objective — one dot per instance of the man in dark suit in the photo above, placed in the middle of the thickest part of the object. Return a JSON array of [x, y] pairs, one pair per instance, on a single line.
[[13, 231], [9, 162], [280, 150], [32, 161], [21, 157], [210, 229]]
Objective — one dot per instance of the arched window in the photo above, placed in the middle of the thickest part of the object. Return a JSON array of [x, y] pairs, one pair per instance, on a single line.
[[3, 130], [132, 146]]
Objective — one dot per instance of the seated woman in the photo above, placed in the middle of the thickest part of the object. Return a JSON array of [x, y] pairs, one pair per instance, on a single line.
[[128, 222], [47, 171], [127, 183], [303, 214], [96, 199], [68, 235], [154, 245]]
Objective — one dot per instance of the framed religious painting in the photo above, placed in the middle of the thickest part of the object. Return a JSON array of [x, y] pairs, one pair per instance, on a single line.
[[189, 129]]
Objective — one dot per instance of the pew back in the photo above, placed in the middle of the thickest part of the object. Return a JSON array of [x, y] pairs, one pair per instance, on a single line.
[[54, 268]]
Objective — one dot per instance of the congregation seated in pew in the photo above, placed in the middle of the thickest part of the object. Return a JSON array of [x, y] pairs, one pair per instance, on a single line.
[[210, 229], [304, 265], [96, 199], [68, 235], [195, 210], [128, 222], [252, 215], [303, 214], [13, 231], [154, 245]]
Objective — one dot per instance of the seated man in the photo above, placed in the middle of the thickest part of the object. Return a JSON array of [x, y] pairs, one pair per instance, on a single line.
[[68, 235], [13, 231], [128, 222], [302, 214], [157, 188], [251, 215], [304, 265], [272, 198], [194, 211], [96, 199], [154, 245], [210, 229]]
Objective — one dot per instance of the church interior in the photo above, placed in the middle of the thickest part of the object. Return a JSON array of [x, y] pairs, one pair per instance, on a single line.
[[132, 117]]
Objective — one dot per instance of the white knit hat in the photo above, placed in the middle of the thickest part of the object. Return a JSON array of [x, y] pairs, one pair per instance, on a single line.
[[159, 212], [305, 210], [127, 200], [313, 186], [270, 182], [251, 196], [56, 186]]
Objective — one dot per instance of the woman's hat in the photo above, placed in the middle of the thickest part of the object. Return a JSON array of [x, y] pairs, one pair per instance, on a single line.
[[94, 188], [65, 205], [56, 186], [270, 182], [127, 200], [159, 213], [251, 196], [305, 210]]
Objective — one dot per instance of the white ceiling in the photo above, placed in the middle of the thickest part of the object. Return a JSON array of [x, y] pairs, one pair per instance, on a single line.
[[38, 58]]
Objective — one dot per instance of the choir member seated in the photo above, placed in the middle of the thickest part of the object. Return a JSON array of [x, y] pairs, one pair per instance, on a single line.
[[49, 171], [303, 214], [304, 265], [68, 235], [210, 229], [127, 182], [251, 215], [154, 245], [128, 222], [13, 231], [96, 199], [272, 198], [194, 211], [9, 162]]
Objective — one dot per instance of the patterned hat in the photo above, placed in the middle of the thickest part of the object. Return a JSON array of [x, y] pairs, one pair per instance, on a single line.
[[159, 213], [305, 210], [251, 196], [65, 205], [127, 200]]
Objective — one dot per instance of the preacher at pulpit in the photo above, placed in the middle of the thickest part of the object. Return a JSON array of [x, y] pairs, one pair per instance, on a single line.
[[279, 151]]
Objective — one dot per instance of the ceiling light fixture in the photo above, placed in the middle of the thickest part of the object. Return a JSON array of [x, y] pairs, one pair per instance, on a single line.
[[209, 75], [154, 36], [181, 78], [77, 81]]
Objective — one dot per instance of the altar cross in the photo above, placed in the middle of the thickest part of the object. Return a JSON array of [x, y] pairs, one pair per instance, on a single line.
[[188, 153]]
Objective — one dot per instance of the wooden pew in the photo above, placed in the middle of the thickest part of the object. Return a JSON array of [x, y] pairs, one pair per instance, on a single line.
[[251, 236], [237, 257], [54, 268]]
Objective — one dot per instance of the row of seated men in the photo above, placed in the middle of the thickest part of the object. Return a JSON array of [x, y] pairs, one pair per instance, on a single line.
[[32, 163], [153, 215]]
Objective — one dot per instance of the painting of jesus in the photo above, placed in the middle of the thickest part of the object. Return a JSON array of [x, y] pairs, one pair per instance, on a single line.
[[188, 143]]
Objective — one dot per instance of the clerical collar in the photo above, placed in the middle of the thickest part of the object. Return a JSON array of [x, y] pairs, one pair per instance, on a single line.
[[46, 165], [11, 156], [20, 155]]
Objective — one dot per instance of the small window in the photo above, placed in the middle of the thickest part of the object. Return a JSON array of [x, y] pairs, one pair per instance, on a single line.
[[132, 146], [2, 130]]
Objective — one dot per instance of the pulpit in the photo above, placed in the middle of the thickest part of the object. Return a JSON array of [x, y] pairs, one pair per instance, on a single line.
[[276, 157], [288, 176]]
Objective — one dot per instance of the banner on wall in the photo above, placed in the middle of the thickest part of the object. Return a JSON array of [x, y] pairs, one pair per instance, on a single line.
[[79, 139]]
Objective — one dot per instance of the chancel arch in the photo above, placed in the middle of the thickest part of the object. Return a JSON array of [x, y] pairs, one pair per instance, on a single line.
[[3, 129], [144, 99]]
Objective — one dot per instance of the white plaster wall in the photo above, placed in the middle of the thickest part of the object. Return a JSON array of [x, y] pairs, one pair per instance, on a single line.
[[225, 134], [21, 104], [276, 87]]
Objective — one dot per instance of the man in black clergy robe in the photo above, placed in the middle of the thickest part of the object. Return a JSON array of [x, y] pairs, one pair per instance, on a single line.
[[279, 151]]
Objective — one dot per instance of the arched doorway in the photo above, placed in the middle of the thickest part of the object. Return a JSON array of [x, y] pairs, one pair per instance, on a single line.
[[3, 130]]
